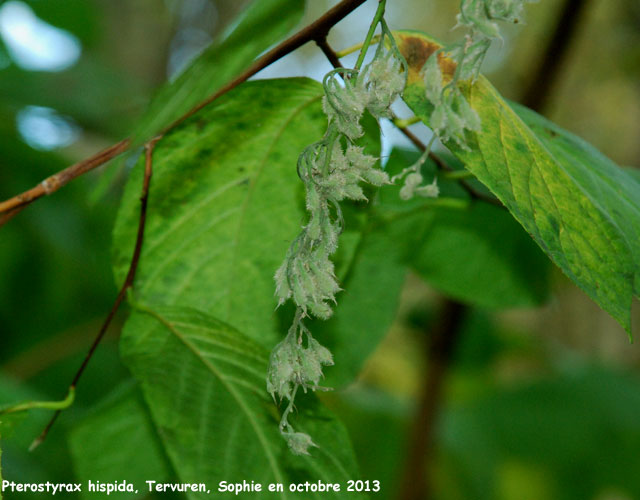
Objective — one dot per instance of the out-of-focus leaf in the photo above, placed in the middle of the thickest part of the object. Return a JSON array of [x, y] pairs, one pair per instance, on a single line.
[[634, 173], [377, 423], [263, 24], [116, 443], [476, 252], [95, 96], [75, 16], [552, 190], [366, 307], [480, 255], [578, 432], [205, 385]]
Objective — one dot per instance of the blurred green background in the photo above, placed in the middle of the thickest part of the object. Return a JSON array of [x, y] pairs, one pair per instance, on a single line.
[[535, 404]]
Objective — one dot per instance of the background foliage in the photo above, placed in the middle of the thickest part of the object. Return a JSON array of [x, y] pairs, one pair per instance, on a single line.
[[542, 393]]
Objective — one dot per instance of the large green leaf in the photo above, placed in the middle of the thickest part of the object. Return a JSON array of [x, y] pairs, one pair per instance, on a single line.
[[205, 385], [225, 203], [116, 443], [263, 24], [585, 224], [612, 188]]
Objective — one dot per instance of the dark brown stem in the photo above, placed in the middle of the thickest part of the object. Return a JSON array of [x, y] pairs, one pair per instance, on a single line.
[[315, 31], [128, 283], [545, 76], [329, 52], [439, 349]]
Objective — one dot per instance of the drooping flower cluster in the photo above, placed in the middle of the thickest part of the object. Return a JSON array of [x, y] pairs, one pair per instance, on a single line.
[[452, 115], [331, 175], [333, 170]]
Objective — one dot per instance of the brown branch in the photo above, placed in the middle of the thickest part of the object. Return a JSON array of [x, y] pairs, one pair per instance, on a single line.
[[442, 165], [128, 283], [56, 181], [329, 53], [439, 350], [315, 31], [545, 76]]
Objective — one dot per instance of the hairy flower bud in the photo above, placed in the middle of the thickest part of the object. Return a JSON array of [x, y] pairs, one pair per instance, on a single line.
[[299, 442], [291, 364]]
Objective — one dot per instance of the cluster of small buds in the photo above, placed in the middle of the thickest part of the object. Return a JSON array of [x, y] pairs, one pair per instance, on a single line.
[[333, 170], [299, 442], [481, 15], [412, 186], [293, 365], [373, 89], [413, 179], [307, 274], [452, 114]]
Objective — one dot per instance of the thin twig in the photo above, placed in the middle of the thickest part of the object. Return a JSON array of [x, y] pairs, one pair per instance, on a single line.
[[56, 181], [439, 351], [545, 75], [128, 283], [328, 52], [313, 32]]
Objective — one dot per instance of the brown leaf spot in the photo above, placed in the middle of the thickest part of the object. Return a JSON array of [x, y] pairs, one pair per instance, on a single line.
[[416, 50]]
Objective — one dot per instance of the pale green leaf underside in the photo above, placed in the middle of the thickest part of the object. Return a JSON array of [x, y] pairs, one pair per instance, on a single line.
[[555, 194], [204, 383], [263, 24]]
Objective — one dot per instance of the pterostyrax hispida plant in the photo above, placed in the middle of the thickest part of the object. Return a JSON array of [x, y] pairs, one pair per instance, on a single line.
[[335, 168]]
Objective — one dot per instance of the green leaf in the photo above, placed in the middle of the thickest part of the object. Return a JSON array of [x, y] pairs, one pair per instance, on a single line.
[[579, 428], [205, 385], [117, 443], [474, 252], [481, 256], [557, 196], [264, 23], [225, 203], [366, 307], [611, 187]]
